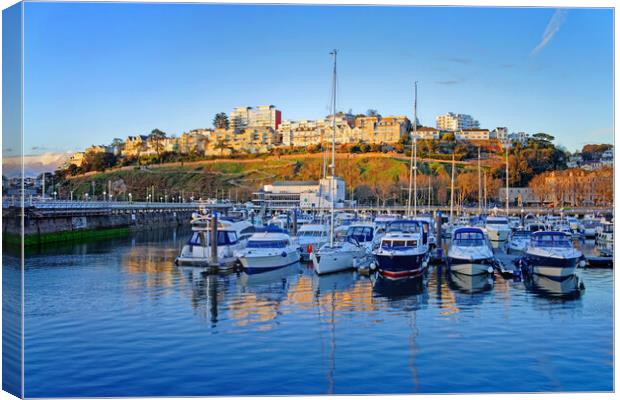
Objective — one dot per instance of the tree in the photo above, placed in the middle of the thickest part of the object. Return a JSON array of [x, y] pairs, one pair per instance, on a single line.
[[157, 137], [117, 144], [543, 137], [98, 161], [372, 113], [220, 121]]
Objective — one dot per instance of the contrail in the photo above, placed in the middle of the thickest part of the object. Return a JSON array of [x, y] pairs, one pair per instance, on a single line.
[[552, 28]]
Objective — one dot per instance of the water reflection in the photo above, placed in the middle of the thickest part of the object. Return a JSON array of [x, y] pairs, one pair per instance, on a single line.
[[470, 284], [567, 289]]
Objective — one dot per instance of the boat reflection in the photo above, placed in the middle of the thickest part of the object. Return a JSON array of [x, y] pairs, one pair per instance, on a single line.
[[470, 284], [267, 278], [406, 293], [566, 289], [340, 281]]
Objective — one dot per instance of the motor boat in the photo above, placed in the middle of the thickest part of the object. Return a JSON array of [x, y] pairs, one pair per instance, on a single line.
[[266, 251], [498, 228], [348, 251], [605, 232], [469, 252], [311, 237], [427, 228], [518, 241], [514, 222], [232, 236], [403, 251], [535, 227], [589, 228], [551, 253]]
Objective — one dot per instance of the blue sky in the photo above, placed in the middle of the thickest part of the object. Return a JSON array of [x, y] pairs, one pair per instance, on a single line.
[[95, 71]]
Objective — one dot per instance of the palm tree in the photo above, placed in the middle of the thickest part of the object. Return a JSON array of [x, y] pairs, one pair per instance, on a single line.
[[221, 121]]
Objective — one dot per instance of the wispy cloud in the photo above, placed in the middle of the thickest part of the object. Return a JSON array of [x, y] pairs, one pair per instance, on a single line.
[[449, 82], [458, 60], [552, 28]]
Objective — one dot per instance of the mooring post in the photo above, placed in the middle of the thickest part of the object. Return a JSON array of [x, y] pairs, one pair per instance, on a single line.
[[214, 238], [294, 221]]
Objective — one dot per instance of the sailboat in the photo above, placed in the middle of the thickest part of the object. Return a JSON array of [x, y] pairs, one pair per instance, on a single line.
[[346, 253]]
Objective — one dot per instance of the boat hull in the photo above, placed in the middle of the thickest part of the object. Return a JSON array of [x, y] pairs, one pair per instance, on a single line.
[[555, 268], [261, 263], [333, 262], [400, 266], [467, 267]]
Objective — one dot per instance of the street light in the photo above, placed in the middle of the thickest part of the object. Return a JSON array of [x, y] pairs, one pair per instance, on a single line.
[[55, 193], [104, 193], [129, 197]]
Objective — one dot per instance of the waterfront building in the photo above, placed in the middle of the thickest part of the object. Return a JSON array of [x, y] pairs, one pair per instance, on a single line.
[[392, 129], [94, 149], [301, 194], [521, 196], [500, 133], [256, 140], [261, 116], [520, 137], [454, 122]]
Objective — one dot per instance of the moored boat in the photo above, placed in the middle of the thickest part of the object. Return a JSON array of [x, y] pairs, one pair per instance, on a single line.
[[518, 241], [551, 253], [498, 228], [402, 251], [267, 251], [311, 237], [469, 252]]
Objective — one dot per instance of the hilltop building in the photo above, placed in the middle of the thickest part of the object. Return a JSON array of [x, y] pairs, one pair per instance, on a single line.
[[261, 116], [454, 122]]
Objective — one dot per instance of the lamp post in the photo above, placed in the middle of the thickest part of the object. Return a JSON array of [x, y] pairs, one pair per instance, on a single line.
[[104, 195], [129, 197], [55, 193], [71, 198]]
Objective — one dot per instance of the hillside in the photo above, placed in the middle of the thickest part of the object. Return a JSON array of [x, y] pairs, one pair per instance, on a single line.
[[378, 171]]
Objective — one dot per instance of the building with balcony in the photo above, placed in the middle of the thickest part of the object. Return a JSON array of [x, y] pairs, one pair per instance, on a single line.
[[472, 134], [454, 122], [259, 117], [428, 133]]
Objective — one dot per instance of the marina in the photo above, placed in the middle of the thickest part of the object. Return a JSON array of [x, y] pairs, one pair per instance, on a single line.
[[291, 331]]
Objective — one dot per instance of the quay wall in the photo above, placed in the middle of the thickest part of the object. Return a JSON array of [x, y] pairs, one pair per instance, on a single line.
[[55, 227]]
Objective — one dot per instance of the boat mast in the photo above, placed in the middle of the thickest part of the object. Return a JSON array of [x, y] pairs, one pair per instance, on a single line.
[[507, 176], [479, 186], [333, 164], [452, 186], [429, 191], [415, 149], [413, 160]]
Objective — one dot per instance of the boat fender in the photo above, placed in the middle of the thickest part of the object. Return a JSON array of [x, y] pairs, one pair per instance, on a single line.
[[582, 263], [373, 266], [309, 249], [284, 254], [490, 270]]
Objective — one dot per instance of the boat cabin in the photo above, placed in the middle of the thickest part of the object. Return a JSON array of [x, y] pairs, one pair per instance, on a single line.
[[551, 239], [468, 237]]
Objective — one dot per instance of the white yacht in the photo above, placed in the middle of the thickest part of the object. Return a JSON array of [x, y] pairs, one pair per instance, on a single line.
[[349, 251], [552, 254], [469, 252], [231, 237], [589, 227], [498, 228], [311, 237], [266, 251]]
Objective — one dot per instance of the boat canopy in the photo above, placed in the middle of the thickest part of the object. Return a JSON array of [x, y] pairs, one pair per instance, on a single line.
[[550, 239], [468, 237]]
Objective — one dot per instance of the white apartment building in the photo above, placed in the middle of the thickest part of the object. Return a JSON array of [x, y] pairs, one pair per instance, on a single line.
[[500, 133], [259, 117], [453, 122], [472, 134]]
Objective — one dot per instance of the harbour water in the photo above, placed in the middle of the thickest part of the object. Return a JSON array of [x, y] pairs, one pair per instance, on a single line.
[[117, 318]]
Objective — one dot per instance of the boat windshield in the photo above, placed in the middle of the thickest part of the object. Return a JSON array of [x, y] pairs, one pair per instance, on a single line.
[[360, 233], [223, 238], [404, 226], [398, 244], [551, 240], [469, 239], [312, 234], [521, 234], [497, 222], [267, 244]]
